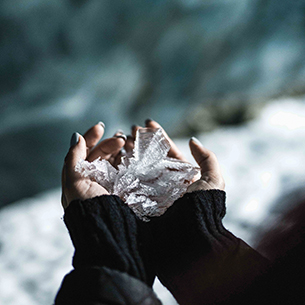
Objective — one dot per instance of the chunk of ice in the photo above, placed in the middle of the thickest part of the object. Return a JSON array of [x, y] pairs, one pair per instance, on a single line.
[[147, 180]]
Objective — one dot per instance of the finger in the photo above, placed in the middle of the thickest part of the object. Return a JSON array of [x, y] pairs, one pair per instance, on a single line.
[[116, 160], [77, 151], [134, 129], [107, 148], [129, 144], [174, 152], [204, 157], [118, 132], [94, 134]]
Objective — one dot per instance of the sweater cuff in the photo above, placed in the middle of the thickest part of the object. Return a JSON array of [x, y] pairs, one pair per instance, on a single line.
[[104, 233], [198, 260], [191, 228]]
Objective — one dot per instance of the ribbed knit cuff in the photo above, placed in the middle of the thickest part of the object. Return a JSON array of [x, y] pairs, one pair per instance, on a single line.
[[197, 259], [191, 228]]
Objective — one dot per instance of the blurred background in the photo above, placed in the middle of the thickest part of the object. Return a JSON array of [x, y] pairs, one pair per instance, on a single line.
[[230, 72]]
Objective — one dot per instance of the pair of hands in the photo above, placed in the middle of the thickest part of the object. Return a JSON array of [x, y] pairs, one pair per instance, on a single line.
[[74, 186]]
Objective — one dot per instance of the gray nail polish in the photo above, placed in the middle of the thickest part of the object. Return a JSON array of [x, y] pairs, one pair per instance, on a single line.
[[147, 121], [74, 139], [102, 124], [121, 136], [196, 141], [119, 131]]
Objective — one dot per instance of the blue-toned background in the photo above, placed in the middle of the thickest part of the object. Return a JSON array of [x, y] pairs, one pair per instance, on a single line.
[[67, 64], [230, 72]]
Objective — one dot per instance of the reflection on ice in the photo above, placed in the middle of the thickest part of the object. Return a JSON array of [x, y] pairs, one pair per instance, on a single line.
[[147, 180]]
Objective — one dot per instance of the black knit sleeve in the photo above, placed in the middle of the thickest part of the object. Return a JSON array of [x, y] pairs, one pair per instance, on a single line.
[[108, 259], [104, 232], [101, 286], [198, 259], [192, 227]]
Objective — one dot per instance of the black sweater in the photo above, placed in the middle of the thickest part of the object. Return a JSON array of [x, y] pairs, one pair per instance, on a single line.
[[108, 260], [117, 256]]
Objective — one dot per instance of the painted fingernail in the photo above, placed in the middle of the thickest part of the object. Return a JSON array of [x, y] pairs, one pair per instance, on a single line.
[[196, 141], [74, 139], [102, 124], [133, 127], [119, 131], [121, 136], [147, 121]]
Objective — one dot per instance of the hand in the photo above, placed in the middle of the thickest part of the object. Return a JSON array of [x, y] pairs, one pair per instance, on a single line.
[[211, 177], [74, 186]]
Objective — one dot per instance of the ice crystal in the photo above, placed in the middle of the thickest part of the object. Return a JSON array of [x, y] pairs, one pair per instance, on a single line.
[[147, 180]]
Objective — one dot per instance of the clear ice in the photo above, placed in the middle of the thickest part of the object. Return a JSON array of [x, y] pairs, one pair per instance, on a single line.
[[147, 180]]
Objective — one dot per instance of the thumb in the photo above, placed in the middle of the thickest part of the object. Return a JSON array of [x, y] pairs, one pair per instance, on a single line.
[[69, 175], [204, 157], [211, 177], [77, 150]]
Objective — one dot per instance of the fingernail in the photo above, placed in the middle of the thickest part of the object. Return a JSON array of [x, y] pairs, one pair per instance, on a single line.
[[121, 136], [102, 124], [196, 141], [133, 127], [147, 121], [74, 139], [119, 131]]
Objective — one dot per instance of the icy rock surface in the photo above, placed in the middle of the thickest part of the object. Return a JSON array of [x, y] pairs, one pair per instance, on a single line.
[[147, 180]]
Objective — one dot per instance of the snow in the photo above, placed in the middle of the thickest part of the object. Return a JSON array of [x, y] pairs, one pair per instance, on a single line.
[[261, 161]]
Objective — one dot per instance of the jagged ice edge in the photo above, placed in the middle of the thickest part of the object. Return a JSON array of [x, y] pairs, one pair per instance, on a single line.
[[148, 181]]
